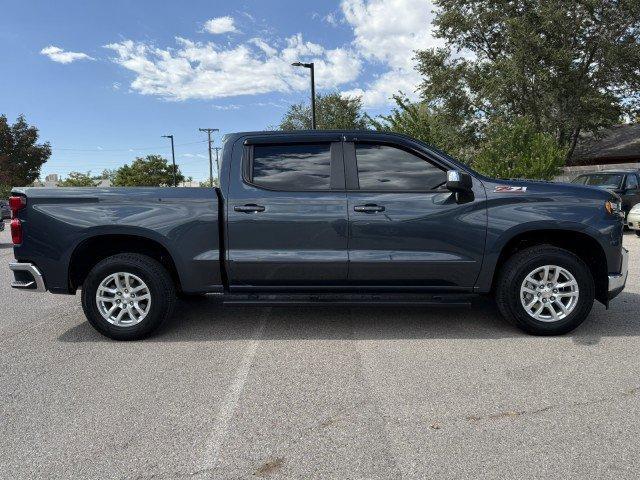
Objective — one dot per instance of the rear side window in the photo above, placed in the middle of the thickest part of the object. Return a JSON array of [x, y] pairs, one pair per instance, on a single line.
[[383, 167], [292, 167]]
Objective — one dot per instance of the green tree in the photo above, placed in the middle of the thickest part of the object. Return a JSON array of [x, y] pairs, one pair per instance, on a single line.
[[78, 179], [151, 171], [332, 112], [421, 121], [568, 66], [518, 150], [21, 156]]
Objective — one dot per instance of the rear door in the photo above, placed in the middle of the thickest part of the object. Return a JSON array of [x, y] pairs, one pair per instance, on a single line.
[[405, 228], [287, 213]]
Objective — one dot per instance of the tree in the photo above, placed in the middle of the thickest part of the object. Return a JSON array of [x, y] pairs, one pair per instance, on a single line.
[[332, 112], [151, 171], [568, 67], [21, 157], [421, 121], [78, 179], [518, 150]]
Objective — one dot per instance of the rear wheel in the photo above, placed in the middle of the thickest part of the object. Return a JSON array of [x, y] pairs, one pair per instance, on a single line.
[[545, 290], [128, 296]]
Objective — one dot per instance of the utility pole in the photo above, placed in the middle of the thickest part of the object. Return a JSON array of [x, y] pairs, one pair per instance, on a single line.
[[173, 156], [310, 66], [209, 131], [217, 149]]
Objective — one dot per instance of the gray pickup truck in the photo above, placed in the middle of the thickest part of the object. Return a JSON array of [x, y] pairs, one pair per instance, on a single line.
[[325, 217]]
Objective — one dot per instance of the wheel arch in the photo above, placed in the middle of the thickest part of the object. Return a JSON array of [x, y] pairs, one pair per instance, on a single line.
[[580, 243], [96, 248]]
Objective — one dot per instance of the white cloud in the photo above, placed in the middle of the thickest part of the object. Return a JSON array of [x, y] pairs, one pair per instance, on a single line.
[[208, 71], [57, 54], [389, 32], [220, 25]]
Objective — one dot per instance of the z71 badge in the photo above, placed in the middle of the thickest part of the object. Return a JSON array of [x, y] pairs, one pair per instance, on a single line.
[[509, 189]]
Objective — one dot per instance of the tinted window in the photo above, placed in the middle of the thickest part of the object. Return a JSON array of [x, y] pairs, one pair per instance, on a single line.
[[292, 167], [632, 181], [381, 167]]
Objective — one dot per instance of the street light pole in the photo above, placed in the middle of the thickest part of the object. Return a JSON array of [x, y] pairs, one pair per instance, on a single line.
[[209, 130], [173, 156], [310, 66], [217, 149]]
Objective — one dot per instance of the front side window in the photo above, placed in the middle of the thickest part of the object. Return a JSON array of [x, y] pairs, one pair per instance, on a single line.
[[383, 167], [292, 167], [632, 182]]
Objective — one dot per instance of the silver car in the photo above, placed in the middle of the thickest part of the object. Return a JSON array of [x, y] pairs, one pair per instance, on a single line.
[[633, 219]]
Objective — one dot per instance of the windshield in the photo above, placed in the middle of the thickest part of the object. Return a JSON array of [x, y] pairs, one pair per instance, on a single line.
[[603, 180]]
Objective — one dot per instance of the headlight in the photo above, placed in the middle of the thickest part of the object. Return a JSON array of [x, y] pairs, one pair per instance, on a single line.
[[613, 208]]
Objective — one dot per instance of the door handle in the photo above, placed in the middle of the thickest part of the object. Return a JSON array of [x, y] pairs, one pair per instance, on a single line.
[[249, 208], [368, 208]]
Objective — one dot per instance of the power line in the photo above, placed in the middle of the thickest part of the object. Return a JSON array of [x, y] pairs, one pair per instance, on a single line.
[[132, 149]]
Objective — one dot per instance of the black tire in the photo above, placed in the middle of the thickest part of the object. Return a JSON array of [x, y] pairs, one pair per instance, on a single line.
[[637, 233], [154, 275], [513, 273]]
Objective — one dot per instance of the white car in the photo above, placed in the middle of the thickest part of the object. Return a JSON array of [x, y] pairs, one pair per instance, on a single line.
[[633, 219]]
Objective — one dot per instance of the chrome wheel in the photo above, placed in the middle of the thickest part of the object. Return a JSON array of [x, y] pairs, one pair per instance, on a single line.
[[123, 299], [549, 293]]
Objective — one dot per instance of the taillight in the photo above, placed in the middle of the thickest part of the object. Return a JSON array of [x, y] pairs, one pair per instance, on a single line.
[[16, 204], [16, 231]]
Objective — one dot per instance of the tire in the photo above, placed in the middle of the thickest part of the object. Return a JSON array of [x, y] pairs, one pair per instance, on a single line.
[[141, 270], [637, 233], [520, 266]]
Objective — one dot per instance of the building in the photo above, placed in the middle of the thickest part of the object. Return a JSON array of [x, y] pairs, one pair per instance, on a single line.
[[615, 147]]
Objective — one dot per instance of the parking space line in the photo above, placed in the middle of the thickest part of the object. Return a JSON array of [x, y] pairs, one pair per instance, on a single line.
[[230, 403]]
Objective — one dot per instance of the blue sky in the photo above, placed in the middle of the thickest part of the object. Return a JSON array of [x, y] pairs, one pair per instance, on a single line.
[[104, 80]]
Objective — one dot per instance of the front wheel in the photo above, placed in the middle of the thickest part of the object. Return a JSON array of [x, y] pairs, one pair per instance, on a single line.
[[128, 296], [545, 290]]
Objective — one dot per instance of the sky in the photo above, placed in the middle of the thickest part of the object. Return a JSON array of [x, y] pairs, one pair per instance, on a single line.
[[103, 81]]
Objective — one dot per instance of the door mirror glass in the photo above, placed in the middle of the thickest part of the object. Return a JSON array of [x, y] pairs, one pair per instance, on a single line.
[[458, 181]]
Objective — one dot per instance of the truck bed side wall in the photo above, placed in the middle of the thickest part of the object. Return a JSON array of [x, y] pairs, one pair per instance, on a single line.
[[182, 220]]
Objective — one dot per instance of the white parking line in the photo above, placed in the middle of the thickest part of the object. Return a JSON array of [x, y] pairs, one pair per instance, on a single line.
[[230, 403]]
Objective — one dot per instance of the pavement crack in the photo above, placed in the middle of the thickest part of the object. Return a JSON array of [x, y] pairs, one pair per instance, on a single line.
[[520, 413]]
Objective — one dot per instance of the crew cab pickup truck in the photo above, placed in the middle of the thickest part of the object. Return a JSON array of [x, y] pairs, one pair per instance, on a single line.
[[325, 217]]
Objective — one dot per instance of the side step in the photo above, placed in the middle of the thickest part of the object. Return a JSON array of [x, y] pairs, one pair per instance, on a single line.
[[270, 299]]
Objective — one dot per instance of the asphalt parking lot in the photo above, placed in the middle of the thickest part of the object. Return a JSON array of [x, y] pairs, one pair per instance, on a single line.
[[243, 393]]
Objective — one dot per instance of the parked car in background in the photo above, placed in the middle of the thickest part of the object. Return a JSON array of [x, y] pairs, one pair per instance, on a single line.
[[633, 219], [624, 183], [325, 217], [5, 211]]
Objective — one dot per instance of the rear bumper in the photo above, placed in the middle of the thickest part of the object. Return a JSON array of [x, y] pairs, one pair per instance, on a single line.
[[27, 277], [617, 281]]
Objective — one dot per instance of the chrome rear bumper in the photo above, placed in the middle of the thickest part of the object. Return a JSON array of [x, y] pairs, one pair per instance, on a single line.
[[27, 277], [617, 281]]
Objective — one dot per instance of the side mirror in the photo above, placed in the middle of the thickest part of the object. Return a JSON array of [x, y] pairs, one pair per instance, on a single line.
[[458, 181]]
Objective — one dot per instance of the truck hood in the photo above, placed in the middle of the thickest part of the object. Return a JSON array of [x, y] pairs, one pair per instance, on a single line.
[[546, 187]]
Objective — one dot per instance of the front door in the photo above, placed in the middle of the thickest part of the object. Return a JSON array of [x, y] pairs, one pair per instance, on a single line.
[[405, 228], [287, 215]]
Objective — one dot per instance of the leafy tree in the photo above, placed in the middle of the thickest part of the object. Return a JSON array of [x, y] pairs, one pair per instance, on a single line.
[[332, 112], [106, 175], [568, 66], [21, 157], [78, 179], [421, 121], [518, 150], [207, 184], [151, 171]]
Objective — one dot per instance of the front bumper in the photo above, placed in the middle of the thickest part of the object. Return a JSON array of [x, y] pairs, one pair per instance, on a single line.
[[617, 281], [27, 277]]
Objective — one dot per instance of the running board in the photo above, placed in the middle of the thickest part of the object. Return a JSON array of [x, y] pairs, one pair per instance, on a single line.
[[455, 300]]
